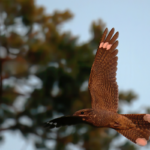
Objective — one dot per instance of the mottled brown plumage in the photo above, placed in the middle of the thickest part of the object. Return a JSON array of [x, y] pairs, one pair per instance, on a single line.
[[104, 98]]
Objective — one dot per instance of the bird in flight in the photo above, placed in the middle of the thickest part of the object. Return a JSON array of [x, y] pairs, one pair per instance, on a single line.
[[104, 98]]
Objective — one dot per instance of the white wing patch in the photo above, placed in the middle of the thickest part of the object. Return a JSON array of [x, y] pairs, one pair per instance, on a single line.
[[147, 117], [101, 44], [108, 46], [141, 141], [105, 45]]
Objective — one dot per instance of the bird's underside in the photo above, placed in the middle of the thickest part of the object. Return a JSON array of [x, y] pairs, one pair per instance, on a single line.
[[104, 98]]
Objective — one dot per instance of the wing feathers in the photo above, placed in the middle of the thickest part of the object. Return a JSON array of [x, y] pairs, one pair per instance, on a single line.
[[63, 121], [104, 35], [114, 38], [102, 81], [110, 35], [114, 53], [114, 45]]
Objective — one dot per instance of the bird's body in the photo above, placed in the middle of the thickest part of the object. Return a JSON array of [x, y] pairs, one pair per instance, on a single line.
[[104, 98], [105, 118]]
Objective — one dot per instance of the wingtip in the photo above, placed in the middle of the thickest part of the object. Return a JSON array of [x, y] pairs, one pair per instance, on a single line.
[[49, 125], [112, 30], [104, 35], [117, 33], [106, 30], [116, 43]]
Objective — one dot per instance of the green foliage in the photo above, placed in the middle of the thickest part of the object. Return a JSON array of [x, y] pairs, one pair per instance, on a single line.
[[127, 96], [35, 46]]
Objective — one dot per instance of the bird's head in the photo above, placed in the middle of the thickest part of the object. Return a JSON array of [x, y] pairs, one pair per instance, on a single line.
[[86, 114]]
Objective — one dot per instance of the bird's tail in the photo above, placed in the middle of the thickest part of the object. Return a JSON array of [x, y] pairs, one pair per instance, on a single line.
[[140, 134]]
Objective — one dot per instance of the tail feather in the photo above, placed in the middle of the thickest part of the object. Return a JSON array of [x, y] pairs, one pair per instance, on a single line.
[[136, 135], [140, 120], [140, 134]]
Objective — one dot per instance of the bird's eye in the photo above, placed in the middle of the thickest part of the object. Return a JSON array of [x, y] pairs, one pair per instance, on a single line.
[[82, 112]]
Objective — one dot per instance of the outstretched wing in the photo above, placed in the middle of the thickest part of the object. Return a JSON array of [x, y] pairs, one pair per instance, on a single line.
[[102, 82], [63, 121]]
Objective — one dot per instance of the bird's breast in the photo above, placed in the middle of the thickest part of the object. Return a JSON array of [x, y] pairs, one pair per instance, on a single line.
[[102, 118], [110, 119]]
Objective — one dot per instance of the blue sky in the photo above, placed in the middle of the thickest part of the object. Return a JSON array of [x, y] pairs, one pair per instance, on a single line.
[[131, 19]]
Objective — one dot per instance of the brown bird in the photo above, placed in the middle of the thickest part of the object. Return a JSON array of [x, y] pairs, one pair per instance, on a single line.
[[104, 98]]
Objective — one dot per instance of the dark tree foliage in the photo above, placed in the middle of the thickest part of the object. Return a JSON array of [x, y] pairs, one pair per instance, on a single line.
[[33, 47]]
